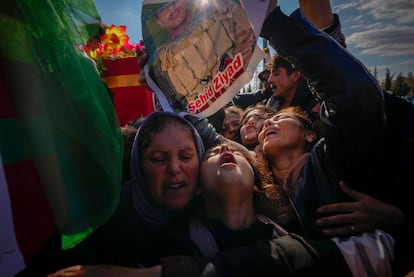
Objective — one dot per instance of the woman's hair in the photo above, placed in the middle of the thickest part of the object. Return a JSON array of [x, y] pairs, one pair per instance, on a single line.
[[267, 110], [307, 121], [233, 109], [137, 122]]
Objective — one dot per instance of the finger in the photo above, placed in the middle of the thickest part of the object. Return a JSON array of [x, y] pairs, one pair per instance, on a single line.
[[346, 230], [335, 220], [341, 207], [142, 79], [66, 272]]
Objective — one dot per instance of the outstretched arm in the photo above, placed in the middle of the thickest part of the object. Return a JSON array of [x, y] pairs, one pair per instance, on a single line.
[[351, 100], [107, 271], [319, 12]]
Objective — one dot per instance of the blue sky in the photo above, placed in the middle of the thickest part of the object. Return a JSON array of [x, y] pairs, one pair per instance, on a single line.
[[378, 32]]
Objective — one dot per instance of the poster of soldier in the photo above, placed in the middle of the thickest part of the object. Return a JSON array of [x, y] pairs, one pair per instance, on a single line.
[[201, 53]]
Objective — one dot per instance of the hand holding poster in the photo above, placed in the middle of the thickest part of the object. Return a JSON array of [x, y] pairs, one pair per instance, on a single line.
[[201, 53]]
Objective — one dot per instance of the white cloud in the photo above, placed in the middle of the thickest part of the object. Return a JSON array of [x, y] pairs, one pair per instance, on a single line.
[[380, 27], [410, 61], [388, 41], [379, 32]]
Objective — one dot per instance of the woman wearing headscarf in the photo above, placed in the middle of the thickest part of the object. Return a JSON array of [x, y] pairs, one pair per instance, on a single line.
[[165, 159]]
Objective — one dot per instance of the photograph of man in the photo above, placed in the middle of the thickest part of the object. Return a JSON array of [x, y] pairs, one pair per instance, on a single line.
[[207, 46]]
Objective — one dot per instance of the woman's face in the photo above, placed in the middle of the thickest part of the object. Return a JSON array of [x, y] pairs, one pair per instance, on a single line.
[[282, 132], [224, 169], [171, 167], [231, 125], [251, 126]]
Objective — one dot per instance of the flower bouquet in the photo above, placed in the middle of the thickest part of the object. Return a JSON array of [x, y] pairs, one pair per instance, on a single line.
[[112, 45], [116, 60]]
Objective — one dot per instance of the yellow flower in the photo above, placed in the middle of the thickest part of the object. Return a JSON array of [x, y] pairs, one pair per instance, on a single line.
[[114, 44], [114, 39]]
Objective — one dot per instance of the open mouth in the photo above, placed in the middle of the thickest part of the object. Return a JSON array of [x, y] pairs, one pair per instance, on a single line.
[[174, 186], [226, 158], [271, 132]]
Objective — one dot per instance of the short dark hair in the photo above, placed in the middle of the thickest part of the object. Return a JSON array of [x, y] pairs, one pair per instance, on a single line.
[[277, 61]]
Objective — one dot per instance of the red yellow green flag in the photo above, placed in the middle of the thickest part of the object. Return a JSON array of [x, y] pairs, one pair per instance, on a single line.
[[60, 140]]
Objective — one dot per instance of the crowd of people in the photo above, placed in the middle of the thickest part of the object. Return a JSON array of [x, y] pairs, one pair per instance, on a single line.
[[292, 181]]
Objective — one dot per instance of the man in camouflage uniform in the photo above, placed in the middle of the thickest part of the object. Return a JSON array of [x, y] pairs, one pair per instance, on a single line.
[[188, 63]]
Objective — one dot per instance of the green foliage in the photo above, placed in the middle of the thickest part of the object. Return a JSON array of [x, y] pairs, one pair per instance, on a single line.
[[401, 85]]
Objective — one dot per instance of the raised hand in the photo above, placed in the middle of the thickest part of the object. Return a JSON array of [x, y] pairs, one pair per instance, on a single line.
[[362, 215]]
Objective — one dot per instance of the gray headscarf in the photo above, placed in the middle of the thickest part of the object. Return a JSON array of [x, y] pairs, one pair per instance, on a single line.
[[142, 202]]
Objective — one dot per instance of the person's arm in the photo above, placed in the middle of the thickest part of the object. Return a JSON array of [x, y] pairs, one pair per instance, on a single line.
[[107, 271], [206, 130], [248, 99], [319, 12], [289, 255], [351, 99], [335, 73], [286, 256]]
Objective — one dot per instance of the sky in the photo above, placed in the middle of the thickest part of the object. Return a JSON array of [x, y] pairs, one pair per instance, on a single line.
[[378, 32]]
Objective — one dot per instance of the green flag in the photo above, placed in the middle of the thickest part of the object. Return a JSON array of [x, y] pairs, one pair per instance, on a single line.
[[57, 113]]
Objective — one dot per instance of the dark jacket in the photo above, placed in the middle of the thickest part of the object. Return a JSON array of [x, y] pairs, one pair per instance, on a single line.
[[249, 99], [368, 135], [352, 105], [352, 116]]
